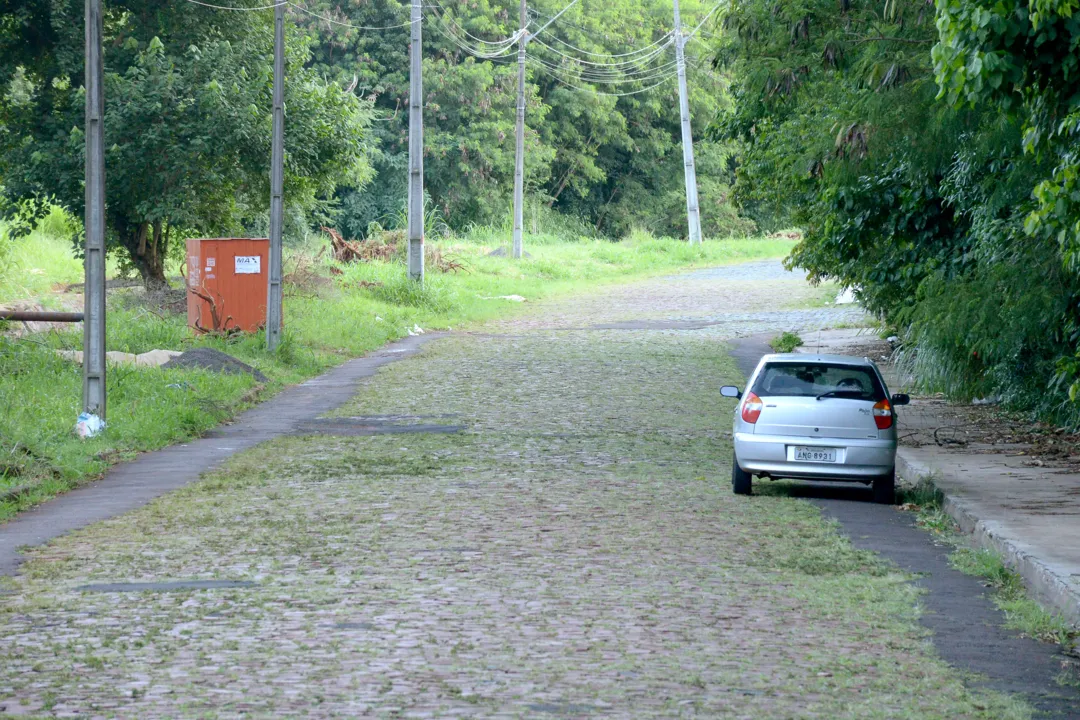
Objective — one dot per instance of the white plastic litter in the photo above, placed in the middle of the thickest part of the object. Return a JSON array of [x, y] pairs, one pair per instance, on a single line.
[[415, 331], [88, 426], [511, 298], [847, 297]]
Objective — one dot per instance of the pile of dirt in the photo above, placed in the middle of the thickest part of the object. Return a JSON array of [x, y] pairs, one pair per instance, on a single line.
[[215, 361]]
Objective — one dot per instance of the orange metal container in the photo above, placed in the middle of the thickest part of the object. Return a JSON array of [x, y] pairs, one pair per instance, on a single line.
[[226, 283]]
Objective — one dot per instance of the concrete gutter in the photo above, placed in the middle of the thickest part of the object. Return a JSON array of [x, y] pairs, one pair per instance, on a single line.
[[1056, 583]]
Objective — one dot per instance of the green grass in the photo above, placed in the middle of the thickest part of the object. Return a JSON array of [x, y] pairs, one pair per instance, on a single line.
[[329, 318], [1022, 612], [786, 342], [34, 265]]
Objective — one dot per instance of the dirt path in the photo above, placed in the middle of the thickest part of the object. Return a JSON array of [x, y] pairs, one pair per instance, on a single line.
[[572, 551]]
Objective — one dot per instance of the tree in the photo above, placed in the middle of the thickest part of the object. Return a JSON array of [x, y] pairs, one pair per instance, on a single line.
[[584, 150], [1021, 58], [188, 99], [896, 138]]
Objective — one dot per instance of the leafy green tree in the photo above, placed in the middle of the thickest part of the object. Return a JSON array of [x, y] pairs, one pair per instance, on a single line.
[[594, 156], [188, 98], [927, 157], [1021, 58]]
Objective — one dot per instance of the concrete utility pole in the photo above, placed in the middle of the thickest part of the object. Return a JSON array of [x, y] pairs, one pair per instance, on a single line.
[[277, 185], [94, 263], [416, 146], [519, 166], [693, 209]]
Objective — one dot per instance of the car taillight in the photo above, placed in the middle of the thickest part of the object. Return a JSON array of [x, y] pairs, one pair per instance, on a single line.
[[751, 408], [883, 415]]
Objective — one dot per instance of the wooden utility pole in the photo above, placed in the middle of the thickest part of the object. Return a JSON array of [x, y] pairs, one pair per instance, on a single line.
[[416, 145], [94, 262], [519, 165], [693, 209], [277, 186]]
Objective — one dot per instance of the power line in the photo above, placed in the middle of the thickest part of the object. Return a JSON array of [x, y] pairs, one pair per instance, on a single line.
[[636, 62], [247, 9], [312, 13], [464, 45], [607, 55], [498, 43], [703, 21], [600, 92], [557, 16], [592, 77]]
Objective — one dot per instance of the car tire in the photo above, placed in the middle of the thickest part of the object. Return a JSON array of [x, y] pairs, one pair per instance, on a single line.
[[885, 489], [741, 481]]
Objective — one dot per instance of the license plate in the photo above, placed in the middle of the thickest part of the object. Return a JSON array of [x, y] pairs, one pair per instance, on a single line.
[[813, 454]]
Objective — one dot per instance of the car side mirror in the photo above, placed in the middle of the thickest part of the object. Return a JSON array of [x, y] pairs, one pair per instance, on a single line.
[[901, 399], [731, 391]]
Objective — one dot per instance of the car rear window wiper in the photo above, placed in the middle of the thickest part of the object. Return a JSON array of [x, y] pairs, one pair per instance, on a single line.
[[842, 393]]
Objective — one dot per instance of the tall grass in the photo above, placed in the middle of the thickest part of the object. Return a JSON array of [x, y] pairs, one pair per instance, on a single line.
[[31, 266]]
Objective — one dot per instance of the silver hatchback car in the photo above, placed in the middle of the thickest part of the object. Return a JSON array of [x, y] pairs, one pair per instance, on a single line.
[[820, 417]]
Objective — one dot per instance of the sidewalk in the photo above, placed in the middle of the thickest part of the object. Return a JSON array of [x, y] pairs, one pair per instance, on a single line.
[[997, 487]]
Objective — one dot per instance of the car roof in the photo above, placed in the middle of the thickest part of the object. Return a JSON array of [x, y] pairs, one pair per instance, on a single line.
[[810, 357]]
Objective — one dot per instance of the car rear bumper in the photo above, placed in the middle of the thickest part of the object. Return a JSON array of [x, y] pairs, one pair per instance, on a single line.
[[857, 459]]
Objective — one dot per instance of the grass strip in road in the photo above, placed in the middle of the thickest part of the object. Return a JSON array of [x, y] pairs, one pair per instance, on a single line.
[[333, 312], [1023, 612]]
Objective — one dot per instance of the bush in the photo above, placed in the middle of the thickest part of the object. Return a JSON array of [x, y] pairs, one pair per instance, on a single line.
[[786, 343], [397, 288]]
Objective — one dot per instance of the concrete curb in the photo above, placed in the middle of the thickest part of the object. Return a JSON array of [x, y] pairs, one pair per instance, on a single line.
[[1051, 584]]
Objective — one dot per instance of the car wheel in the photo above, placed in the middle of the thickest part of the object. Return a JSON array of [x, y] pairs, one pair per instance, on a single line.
[[885, 489], [741, 482]]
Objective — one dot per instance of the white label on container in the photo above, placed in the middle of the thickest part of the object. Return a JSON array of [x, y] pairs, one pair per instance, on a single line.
[[193, 271], [211, 262], [248, 264]]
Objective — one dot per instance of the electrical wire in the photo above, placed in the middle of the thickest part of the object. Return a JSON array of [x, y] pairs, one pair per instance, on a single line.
[[557, 16], [461, 43], [638, 62], [704, 20], [341, 23], [598, 75], [609, 94], [498, 43], [629, 54], [608, 78], [243, 9]]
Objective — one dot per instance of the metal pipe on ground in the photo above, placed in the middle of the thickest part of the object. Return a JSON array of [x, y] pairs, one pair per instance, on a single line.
[[37, 316]]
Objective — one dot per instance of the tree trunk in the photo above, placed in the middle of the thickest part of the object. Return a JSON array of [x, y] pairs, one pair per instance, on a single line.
[[144, 246]]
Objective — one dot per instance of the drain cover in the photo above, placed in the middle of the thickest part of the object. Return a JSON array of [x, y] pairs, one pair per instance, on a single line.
[[166, 586], [561, 708], [371, 426]]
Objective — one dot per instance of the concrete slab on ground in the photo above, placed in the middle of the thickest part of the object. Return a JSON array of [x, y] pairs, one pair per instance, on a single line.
[[846, 341]]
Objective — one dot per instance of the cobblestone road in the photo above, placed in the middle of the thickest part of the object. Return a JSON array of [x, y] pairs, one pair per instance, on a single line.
[[574, 551]]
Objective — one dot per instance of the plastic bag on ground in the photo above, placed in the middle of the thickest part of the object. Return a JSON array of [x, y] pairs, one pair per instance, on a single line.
[[88, 426]]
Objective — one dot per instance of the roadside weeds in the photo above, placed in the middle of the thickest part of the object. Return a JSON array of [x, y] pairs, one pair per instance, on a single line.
[[1023, 613]]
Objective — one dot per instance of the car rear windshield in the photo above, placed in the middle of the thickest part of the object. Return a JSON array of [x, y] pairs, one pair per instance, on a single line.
[[814, 379]]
